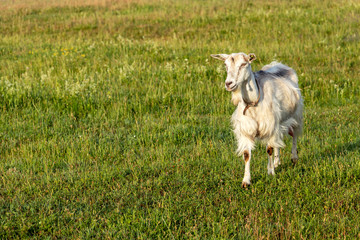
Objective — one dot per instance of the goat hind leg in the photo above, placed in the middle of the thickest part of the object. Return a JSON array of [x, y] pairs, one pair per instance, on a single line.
[[294, 153], [276, 157]]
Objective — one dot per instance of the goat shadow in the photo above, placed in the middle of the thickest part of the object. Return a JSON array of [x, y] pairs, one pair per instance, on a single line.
[[340, 149], [329, 152]]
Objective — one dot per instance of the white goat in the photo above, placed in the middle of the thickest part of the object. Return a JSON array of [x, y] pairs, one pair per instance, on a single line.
[[269, 106]]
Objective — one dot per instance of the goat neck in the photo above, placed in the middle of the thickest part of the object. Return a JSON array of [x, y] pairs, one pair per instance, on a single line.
[[248, 91]]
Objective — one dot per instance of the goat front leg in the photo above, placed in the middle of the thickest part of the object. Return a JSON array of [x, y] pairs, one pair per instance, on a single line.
[[270, 166], [276, 157], [247, 176]]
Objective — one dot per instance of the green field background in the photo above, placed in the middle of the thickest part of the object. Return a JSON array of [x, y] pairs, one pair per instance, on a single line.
[[115, 124]]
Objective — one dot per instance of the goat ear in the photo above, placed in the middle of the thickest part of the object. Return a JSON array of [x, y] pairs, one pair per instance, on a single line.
[[252, 57], [221, 57]]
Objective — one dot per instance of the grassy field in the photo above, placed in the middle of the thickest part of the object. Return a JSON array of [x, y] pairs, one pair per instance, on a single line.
[[114, 120]]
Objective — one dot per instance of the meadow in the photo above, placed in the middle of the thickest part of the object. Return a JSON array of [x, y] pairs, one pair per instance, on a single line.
[[115, 124]]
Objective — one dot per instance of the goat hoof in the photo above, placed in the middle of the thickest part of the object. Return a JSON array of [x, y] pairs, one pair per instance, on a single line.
[[277, 164], [294, 160], [271, 172], [245, 185]]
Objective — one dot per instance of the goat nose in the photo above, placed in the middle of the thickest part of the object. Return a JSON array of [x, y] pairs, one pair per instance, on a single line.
[[228, 84]]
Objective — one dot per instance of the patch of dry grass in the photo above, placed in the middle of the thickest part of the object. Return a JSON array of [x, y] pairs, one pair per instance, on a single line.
[[44, 4]]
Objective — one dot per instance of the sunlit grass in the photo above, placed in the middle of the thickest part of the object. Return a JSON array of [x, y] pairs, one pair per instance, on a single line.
[[114, 122]]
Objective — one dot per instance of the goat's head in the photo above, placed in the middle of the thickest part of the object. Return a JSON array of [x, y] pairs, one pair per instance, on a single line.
[[237, 67]]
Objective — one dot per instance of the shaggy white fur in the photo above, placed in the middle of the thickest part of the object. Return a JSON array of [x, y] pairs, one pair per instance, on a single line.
[[275, 107]]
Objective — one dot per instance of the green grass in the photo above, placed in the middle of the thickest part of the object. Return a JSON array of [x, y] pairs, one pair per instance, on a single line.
[[114, 122]]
